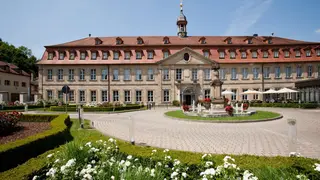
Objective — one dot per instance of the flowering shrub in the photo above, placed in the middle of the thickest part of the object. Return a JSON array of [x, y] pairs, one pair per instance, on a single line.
[[229, 110], [245, 106], [207, 100], [8, 122], [185, 107]]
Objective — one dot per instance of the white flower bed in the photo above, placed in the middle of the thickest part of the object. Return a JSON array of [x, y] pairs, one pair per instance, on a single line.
[[102, 160]]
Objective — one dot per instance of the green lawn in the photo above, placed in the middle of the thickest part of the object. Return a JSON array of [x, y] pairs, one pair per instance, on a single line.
[[259, 165], [259, 115]]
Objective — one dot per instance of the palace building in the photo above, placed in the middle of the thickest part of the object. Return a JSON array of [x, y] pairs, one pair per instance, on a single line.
[[161, 69]]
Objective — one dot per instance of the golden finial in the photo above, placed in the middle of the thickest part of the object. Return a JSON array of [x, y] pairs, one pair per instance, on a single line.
[[181, 4]]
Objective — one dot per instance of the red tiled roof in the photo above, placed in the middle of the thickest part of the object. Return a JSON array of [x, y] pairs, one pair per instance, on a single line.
[[175, 40], [12, 68]]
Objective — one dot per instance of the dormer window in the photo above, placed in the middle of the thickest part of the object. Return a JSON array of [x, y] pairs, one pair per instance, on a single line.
[[83, 56], [229, 41], [166, 40], [165, 54], [298, 53], [286, 53], [119, 41], [249, 41], [269, 41], [206, 53], [232, 54], [243, 54], [72, 55], [265, 54], [308, 53], [203, 40], [93, 55], [98, 41], [50, 55], [276, 53], [138, 55], [61, 55], [115, 55], [318, 54], [221, 54], [139, 40], [105, 55], [254, 54], [127, 55], [150, 54]]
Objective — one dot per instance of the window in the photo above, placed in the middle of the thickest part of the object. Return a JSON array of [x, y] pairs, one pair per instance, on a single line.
[[234, 95], [104, 74], [233, 73], [166, 41], [207, 74], [60, 74], [150, 54], [309, 70], [298, 53], [115, 96], [49, 75], [166, 75], [194, 74], [105, 55], [127, 55], [93, 55], [61, 55], [222, 74], [165, 54], [232, 55], [269, 41], [138, 96], [50, 56], [265, 54], [104, 96], [229, 41], [118, 41], [93, 74], [72, 55], [299, 71], [276, 54], [116, 55], [244, 96], [82, 56], [6, 82], [115, 75], [243, 55], [244, 73], [221, 55], [71, 96], [138, 55], [249, 41], [288, 72], [82, 75], [82, 96], [139, 41], [150, 74], [127, 76], [256, 96], [49, 94], [16, 83], [93, 96], [60, 95], [266, 72], [71, 74], [203, 41], [166, 96], [178, 74], [308, 53], [254, 54], [138, 75], [23, 84], [207, 93], [286, 54], [255, 72], [206, 54], [150, 96], [277, 72], [127, 96], [318, 52]]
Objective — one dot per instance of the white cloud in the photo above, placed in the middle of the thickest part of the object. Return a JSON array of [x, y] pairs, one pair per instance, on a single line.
[[247, 15], [318, 31]]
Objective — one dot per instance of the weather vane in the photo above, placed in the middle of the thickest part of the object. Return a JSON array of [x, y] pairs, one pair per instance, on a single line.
[[181, 4]]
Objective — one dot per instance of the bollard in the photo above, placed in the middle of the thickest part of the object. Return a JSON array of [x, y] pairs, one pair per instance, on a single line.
[[131, 130], [292, 136]]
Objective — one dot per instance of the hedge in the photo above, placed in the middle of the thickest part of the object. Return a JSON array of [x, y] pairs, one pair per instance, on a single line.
[[22, 107], [286, 105], [17, 152], [96, 109]]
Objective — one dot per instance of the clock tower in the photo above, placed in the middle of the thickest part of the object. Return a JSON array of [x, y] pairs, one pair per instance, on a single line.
[[182, 23]]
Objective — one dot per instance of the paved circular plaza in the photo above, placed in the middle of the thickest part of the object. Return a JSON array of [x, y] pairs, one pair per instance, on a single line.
[[260, 138]]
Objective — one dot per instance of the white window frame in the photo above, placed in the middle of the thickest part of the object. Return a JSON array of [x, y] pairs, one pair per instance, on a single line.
[[127, 74], [138, 74], [104, 96], [166, 95], [49, 75], [194, 73], [150, 96], [221, 54], [138, 55], [245, 73], [255, 72], [310, 71], [105, 55], [178, 74], [277, 72], [61, 55], [254, 54], [115, 75], [49, 94], [138, 95], [243, 54], [72, 55], [288, 72], [299, 71], [71, 75], [82, 96], [265, 54], [298, 53], [104, 74], [206, 53], [232, 55], [165, 54], [116, 55], [127, 55], [127, 96], [115, 95], [93, 74], [234, 73], [207, 93], [82, 74], [276, 54], [318, 52], [50, 55], [308, 53], [150, 55], [150, 74], [207, 74], [286, 54], [71, 96], [234, 96], [266, 72], [93, 96], [60, 74], [83, 56], [222, 73], [93, 55], [166, 74]]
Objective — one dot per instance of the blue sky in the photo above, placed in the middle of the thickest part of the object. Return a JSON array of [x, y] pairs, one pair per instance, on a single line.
[[36, 23]]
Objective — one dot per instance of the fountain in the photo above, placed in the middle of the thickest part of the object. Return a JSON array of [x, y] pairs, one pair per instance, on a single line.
[[241, 108], [237, 108], [193, 106]]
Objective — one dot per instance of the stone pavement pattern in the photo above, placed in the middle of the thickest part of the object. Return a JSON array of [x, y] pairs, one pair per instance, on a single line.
[[260, 138]]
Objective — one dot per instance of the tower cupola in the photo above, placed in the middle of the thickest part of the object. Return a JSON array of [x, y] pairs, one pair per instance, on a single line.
[[182, 23]]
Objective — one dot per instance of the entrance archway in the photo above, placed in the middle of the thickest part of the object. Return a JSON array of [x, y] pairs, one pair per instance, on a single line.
[[188, 95]]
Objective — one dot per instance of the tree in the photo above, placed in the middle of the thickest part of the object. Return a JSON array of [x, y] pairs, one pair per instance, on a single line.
[[21, 57]]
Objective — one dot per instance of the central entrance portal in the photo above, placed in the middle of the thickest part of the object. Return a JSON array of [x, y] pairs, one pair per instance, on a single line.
[[188, 95], [188, 99]]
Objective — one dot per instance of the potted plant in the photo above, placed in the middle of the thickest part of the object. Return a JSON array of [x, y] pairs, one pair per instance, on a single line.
[[185, 107], [229, 110], [207, 103], [245, 106]]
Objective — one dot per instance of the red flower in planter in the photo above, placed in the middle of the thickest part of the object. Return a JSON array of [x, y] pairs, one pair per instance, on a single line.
[[185, 107], [207, 100], [229, 110], [245, 106]]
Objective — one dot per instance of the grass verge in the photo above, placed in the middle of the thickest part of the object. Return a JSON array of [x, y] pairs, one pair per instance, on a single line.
[[259, 165], [259, 115]]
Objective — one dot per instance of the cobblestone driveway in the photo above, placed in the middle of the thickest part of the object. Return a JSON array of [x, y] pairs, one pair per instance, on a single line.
[[261, 138]]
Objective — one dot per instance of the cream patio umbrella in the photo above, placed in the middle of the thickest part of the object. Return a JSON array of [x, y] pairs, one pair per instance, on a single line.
[[251, 92], [286, 90], [271, 91], [226, 92]]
